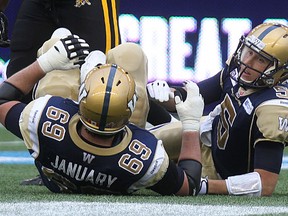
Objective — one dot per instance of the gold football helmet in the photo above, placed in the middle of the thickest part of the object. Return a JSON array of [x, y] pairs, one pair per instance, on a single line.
[[107, 99], [271, 42]]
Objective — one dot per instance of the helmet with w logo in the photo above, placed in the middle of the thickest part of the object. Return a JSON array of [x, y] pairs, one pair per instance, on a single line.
[[270, 41], [107, 99]]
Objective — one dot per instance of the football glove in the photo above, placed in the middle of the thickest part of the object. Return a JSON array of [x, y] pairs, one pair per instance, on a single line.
[[66, 54], [94, 59], [191, 110], [159, 90], [4, 41]]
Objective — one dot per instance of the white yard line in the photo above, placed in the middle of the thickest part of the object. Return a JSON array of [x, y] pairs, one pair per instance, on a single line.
[[131, 209], [16, 160], [11, 143]]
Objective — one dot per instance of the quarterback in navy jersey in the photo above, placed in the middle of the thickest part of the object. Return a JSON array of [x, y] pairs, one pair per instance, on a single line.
[[89, 146], [243, 138]]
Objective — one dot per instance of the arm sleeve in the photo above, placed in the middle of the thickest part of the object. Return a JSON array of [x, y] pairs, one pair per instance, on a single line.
[[157, 114], [12, 119], [268, 156]]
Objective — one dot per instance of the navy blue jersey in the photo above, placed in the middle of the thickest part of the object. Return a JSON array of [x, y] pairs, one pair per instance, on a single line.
[[70, 164], [247, 118]]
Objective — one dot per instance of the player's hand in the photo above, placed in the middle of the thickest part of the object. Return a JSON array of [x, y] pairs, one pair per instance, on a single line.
[[66, 54], [94, 59], [4, 41], [191, 110], [159, 90]]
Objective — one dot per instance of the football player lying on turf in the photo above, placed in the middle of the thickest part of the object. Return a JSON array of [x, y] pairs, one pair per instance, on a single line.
[[90, 146], [129, 55], [244, 137]]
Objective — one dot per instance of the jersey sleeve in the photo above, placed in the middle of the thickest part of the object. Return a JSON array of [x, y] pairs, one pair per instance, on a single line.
[[171, 182], [29, 122], [211, 88], [272, 121], [156, 171], [268, 157], [13, 117]]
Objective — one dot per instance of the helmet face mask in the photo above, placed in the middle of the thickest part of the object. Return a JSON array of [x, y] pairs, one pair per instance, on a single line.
[[269, 43], [107, 99]]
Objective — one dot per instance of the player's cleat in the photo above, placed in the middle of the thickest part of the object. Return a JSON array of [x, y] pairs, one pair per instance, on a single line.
[[33, 181]]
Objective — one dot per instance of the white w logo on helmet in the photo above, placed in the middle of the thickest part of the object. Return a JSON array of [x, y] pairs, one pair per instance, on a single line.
[[82, 92], [132, 103]]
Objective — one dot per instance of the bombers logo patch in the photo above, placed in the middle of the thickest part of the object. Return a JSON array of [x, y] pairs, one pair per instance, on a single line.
[[283, 124]]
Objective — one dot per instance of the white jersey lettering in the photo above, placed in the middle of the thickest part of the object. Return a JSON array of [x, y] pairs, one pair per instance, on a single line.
[[82, 173], [88, 157]]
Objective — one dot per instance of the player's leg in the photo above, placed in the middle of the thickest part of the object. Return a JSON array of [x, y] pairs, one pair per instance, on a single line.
[[208, 167], [31, 29], [171, 136], [132, 59], [97, 23]]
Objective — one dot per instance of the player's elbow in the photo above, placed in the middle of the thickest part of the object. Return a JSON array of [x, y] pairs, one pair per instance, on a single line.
[[269, 181], [267, 190]]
